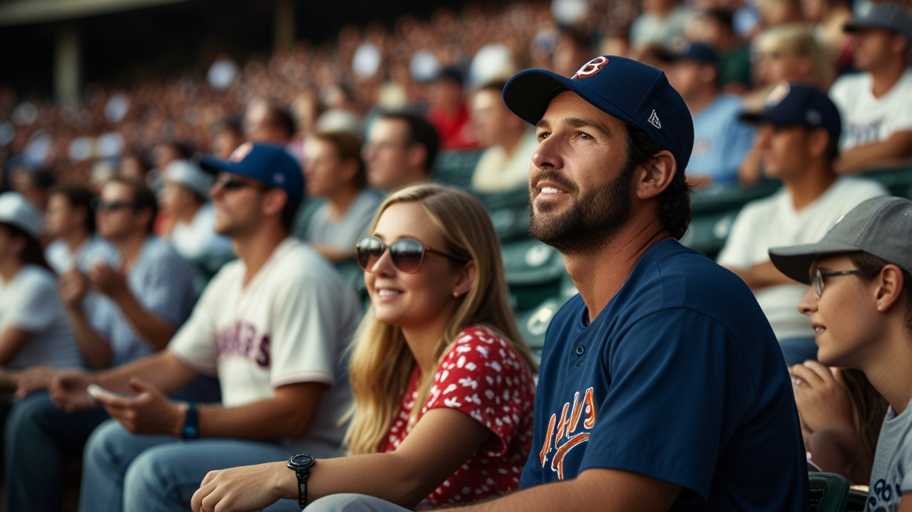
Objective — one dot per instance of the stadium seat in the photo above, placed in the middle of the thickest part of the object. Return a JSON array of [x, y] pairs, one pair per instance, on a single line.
[[533, 324], [898, 180], [455, 168], [714, 212], [829, 492], [533, 271]]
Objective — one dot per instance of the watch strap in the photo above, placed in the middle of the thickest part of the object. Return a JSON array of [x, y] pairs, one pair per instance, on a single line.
[[190, 429], [302, 475]]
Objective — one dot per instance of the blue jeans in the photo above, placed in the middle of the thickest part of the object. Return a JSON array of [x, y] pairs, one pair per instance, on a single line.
[[124, 471], [37, 439]]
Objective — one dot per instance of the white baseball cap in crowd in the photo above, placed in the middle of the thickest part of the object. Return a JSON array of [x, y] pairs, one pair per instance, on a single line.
[[15, 210], [191, 176]]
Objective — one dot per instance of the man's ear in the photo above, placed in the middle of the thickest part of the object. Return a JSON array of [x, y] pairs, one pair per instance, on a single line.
[[818, 140], [274, 201], [416, 154], [655, 175]]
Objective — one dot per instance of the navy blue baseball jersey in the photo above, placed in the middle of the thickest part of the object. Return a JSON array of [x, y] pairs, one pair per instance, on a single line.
[[679, 378]]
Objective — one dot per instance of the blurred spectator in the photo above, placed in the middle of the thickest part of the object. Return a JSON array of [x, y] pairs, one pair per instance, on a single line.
[[226, 137], [571, 47], [334, 170], [797, 138], [185, 198], [720, 140], [778, 12], [715, 27], [148, 295], [33, 185], [841, 415], [829, 16], [34, 330], [448, 111], [787, 53], [662, 21], [133, 166], [70, 225], [509, 143], [400, 151], [267, 123], [876, 105]]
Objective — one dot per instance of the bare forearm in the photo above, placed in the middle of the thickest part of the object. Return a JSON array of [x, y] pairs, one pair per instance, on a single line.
[[761, 275], [155, 331], [334, 254], [95, 348], [891, 152], [12, 340], [288, 414]]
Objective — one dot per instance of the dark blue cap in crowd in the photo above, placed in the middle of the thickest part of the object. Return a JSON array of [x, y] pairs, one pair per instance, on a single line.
[[626, 89], [451, 73], [798, 105], [270, 164], [884, 15], [698, 52]]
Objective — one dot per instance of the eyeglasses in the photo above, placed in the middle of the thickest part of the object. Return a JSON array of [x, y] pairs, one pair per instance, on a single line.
[[406, 254], [100, 205], [820, 276], [232, 184]]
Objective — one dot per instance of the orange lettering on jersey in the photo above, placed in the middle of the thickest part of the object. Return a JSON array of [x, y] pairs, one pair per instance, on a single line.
[[547, 448], [590, 410], [564, 428], [591, 68]]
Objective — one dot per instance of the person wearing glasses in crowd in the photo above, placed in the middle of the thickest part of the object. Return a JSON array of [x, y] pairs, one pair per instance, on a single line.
[[272, 326], [144, 295], [860, 306], [400, 150], [442, 380]]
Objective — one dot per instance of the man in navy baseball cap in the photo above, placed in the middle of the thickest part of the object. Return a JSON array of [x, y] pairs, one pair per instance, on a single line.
[[661, 384], [797, 140]]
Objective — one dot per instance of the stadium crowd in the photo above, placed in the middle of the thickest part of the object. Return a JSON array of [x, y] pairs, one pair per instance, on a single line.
[[176, 258]]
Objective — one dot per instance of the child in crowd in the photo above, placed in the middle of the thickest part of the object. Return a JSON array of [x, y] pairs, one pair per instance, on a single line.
[[441, 377], [860, 306]]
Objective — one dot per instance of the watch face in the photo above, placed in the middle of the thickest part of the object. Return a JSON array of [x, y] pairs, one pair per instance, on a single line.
[[301, 461]]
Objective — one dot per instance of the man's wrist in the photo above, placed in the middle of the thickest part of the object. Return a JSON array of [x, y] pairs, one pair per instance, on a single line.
[[181, 418]]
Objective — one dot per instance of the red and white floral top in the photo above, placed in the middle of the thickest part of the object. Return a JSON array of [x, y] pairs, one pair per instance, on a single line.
[[483, 376]]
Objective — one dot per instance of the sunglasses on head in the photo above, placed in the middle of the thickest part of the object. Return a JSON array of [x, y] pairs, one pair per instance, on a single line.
[[406, 254], [100, 205]]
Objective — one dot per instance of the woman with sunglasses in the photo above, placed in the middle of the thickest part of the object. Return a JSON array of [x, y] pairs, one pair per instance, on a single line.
[[441, 378], [860, 306]]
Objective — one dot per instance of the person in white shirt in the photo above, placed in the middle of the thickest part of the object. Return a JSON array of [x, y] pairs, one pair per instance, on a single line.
[[509, 144], [186, 198], [797, 137], [272, 325], [876, 105]]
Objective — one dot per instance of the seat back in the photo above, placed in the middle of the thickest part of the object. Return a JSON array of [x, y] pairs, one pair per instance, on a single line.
[[829, 492]]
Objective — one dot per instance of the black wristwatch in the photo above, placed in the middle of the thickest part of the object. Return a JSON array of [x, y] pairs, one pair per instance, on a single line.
[[190, 430], [301, 464]]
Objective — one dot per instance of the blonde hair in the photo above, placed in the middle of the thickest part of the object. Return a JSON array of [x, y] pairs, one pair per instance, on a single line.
[[798, 39], [381, 362]]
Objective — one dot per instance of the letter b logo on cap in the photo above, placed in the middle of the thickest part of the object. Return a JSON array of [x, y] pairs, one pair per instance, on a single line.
[[591, 68]]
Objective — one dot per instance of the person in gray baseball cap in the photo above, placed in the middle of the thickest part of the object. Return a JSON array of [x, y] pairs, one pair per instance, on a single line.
[[876, 105], [860, 306]]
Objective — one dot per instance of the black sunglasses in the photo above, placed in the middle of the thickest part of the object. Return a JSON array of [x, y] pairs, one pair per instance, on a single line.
[[406, 254], [100, 205]]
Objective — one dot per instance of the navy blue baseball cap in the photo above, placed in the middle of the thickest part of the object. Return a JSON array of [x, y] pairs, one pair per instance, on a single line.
[[262, 162], [798, 105], [628, 90]]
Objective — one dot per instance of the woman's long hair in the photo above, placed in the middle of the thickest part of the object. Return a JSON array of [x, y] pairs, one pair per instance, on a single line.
[[381, 362]]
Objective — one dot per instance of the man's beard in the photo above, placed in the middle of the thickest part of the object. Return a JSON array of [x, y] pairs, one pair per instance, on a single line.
[[592, 221]]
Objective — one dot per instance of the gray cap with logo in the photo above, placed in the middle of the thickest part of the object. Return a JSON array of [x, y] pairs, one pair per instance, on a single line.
[[883, 15], [881, 227]]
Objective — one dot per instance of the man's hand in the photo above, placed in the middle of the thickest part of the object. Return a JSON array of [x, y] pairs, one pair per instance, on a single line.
[[34, 379], [245, 488], [149, 412], [107, 280], [821, 396], [73, 287], [68, 390]]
